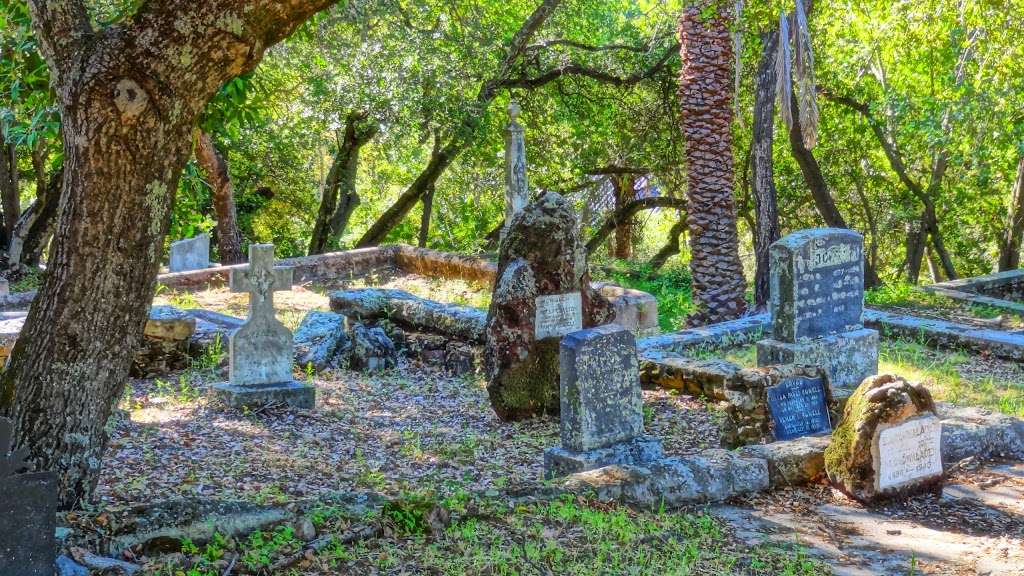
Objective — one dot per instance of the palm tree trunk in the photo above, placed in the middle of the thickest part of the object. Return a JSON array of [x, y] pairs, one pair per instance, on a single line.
[[706, 94]]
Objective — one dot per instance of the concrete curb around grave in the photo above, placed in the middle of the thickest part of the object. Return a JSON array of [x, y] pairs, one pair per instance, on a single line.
[[716, 474], [1001, 290]]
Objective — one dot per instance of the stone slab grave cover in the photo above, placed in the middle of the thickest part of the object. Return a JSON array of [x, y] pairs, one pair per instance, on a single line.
[[542, 270], [799, 407], [602, 420], [817, 304], [260, 351], [28, 508], [190, 253], [888, 442]]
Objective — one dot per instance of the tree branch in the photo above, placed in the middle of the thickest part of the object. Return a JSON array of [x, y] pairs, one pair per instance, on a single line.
[[576, 69], [629, 210], [61, 27]]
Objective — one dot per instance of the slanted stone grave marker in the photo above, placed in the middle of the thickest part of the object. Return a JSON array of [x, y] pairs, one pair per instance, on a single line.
[[602, 419], [817, 303], [799, 407], [888, 443], [260, 351], [190, 253], [28, 508]]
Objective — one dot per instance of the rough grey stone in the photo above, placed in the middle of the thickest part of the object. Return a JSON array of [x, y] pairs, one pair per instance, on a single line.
[[371, 349], [320, 339], [981, 433], [950, 335], [166, 342], [791, 462], [400, 307], [190, 253], [600, 397], [68, 567], [169, 323], [817, 283], [28, 508], [260, 351], [709, 476], [639, 451], [847, 358]]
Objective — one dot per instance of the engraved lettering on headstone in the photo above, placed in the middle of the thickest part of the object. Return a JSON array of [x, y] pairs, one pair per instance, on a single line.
[[558, 314], [908, 451], [798, 408]]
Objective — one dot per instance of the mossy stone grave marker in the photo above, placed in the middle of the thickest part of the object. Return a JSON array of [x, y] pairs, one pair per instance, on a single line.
[[602, 419], [28, 508]]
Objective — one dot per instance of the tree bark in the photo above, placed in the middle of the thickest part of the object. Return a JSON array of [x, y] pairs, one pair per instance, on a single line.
[[9, 196], [465, 135], [339, 198], [129, 100], [767, 230], [35, 226], [624, 194], [428, 207], [706, 94], [1009, 248], [626, 212], [213, 163], [671, 247]]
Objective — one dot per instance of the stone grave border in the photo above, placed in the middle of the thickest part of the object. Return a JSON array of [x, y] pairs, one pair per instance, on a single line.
[[634, 307], [1003, 290]]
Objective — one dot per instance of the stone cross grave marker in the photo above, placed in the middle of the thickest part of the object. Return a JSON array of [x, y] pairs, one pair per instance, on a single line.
[[798, 407], [602, 418], [907, 454], [260, 351], [190, 253], [28, 508], [517, 193], [817, 304]]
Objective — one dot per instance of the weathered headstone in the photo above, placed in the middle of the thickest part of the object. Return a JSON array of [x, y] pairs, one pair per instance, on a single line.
[[602, 419], [28, 508], [542, 291], [888, 443], [799, 407], [817, 301], [190, 253], [260, 351], [517, 192]]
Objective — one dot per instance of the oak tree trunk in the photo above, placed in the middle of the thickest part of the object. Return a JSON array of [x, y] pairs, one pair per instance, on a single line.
[[213, 163], [767, 230], [428, 208], [706, 94], [9, 197], [129, 99], [34, 228], [671, 247], [1009, 249], [624, 193]]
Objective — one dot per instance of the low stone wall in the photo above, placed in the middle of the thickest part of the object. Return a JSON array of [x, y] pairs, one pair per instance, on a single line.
[[1004, 290], [951, 335], [437, 264]]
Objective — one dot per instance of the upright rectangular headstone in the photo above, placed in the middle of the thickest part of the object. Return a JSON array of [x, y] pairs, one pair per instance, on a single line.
[[190, 253], [28, 508], [602, 419], [601, 401], [817, 284], [798, 407]]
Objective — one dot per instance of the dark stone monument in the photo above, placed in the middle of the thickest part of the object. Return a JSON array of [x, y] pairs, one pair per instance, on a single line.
[[28, 508], [817, 300], [799, 407], [602, 419]]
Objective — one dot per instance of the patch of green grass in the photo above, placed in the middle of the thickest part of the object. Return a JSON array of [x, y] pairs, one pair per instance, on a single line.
[[941, 372], [27, 281], [670, 286]]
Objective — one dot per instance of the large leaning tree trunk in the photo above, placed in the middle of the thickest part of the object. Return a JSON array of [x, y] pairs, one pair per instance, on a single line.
[[213, 163], [129, 98], [767, 230], [339, 198], [34, 228], [464, 136], [1009, 247], [706, 94], [625, 193]]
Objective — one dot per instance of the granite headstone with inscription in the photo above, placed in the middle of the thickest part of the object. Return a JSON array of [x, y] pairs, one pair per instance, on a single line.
[[28, 508], [542, 291], [817, 304], [602, 418], [799, 407], [888, 442], [260, 351]]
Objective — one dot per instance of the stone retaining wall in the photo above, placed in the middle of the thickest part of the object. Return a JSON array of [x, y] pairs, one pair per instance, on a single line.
[[1003, 290]]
